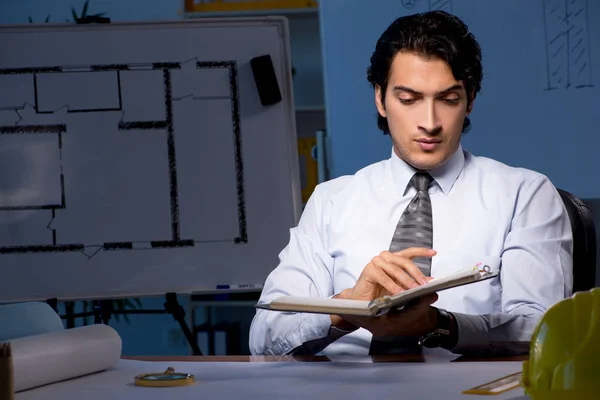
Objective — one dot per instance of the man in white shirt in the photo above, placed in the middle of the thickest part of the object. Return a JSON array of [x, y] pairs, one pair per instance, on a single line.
[[426, 72]]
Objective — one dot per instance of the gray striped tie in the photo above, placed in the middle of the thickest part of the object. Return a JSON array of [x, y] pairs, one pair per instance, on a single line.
[[415, 227]]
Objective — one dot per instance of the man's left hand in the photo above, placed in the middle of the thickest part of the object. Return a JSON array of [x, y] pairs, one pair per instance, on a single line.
[[415, 319]]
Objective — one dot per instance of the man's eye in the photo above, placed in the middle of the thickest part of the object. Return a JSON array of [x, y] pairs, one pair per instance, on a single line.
[[407, 101], [451, 102]]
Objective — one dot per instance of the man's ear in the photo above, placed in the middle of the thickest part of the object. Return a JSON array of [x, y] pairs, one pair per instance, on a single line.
[[378, 101]]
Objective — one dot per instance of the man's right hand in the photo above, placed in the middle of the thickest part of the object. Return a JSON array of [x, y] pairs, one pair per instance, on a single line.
[[386, 274], [390, 273]]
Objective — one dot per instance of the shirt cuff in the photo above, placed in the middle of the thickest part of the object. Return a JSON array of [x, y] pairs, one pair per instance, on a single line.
[[472, 333], [314, 346], [311, 327]]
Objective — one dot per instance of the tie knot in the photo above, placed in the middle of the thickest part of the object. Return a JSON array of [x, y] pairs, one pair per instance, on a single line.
[[421, 181]]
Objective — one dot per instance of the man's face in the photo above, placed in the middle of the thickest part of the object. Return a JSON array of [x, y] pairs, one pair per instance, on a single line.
[[425, 109]]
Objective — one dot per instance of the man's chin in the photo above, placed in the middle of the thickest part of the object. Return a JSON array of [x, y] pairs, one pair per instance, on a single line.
[[427, 162]]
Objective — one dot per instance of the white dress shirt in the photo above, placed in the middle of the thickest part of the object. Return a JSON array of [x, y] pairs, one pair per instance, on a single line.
[[511, 219]]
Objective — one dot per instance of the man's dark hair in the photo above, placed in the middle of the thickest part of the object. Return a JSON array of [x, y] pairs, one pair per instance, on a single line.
[[434, 34]]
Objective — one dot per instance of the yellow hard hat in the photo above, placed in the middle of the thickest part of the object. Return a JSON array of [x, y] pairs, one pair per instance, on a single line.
[[564, 358]]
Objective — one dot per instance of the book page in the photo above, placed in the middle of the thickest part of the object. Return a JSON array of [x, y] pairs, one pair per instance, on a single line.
[[435, 285], [322, 301], [325, 305]]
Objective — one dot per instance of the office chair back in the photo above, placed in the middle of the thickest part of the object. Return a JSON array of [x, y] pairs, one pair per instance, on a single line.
[[584, 242]]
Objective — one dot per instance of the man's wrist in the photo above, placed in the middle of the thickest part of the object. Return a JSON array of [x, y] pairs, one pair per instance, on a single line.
[[433, 320], [444, 331], [339, 322]]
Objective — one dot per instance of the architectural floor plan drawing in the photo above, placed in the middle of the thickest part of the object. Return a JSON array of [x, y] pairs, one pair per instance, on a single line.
[[568, 57], [445, 5], [106, 157]]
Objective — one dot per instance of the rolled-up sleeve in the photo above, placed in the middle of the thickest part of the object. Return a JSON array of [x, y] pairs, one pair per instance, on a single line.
[[536, 272], [305, 269]]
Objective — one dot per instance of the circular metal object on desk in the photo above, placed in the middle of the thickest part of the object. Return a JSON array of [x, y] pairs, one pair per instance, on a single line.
[[169, 378]]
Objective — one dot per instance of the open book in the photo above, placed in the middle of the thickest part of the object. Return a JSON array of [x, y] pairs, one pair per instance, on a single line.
[[379, 306]]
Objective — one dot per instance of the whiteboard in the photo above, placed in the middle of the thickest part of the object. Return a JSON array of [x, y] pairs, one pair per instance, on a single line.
[[136, 158]]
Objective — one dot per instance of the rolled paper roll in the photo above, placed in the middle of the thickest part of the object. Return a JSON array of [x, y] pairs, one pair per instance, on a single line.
[[52, 357], [6, 372]]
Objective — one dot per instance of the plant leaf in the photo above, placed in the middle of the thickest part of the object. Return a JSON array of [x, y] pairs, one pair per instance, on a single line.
[[74, 14], [47, 18], [119, 304], [138, 302], [85, 8], [129, 304], [30, 20]]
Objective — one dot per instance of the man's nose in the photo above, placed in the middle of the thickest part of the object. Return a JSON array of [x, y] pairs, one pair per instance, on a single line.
[[429, 119]]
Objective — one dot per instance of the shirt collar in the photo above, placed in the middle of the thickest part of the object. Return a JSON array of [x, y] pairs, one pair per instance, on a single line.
[[444, 175]]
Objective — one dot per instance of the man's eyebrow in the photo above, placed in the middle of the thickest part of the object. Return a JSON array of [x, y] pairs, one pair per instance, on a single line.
[[453, 88], [400, 88]]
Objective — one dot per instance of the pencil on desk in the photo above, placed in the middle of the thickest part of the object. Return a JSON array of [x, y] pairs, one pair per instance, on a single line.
[[6, 372]]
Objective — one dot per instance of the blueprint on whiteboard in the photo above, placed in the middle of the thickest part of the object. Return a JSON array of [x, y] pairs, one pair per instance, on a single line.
[[88, 169]]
